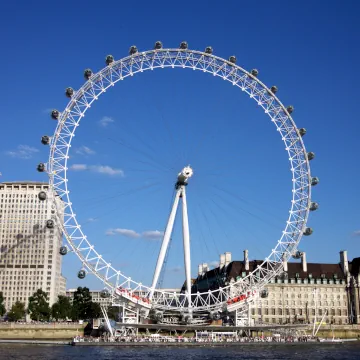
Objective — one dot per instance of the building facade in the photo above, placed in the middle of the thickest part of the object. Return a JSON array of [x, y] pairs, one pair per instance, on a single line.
[[29, 250], [95, 297], [304, 293]]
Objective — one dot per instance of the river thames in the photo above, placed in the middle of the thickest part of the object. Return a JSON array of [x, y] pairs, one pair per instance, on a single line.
[[350, 351]]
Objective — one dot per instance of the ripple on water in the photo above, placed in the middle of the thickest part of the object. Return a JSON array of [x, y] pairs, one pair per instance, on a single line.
[[349, 351]]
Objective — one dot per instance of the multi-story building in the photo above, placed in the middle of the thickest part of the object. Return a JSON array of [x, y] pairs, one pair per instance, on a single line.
[[95, 297], [62, 286], [29, 249], [303, 293], [107, 301]]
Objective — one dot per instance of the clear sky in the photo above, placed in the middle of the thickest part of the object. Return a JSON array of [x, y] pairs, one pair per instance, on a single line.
[[139, 135]]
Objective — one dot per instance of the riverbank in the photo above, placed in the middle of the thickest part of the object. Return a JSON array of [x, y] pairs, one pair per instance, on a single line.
[[51, 331], [35, 342]]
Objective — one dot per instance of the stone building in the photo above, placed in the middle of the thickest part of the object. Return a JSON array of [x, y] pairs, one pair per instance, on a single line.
[[29, 250], [303, 293]]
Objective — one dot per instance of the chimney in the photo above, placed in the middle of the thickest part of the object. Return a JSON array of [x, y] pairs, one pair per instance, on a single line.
[[205, 268], [303, 262], [285, 266], [246, 260], [344, 262], [222, 261], [227, 258], [200, 271]]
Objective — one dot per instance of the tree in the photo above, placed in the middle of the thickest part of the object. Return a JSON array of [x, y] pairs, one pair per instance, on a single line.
[[81, 304], [95, 310], [62, 308], [39, 308], [113, 312], [2, 306], [83, 307], [17, 311]]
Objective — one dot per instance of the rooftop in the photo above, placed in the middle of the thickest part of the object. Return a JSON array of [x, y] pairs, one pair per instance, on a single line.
[[24, 182]]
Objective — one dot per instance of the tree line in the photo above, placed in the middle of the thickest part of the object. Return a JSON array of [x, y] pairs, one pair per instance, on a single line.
[[81, 308]]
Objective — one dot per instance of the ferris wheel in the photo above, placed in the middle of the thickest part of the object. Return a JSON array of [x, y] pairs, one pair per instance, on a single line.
[[236, 295]]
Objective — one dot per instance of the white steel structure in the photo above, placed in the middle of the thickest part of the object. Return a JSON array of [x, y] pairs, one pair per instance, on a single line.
[[123, 285], [180, 185]]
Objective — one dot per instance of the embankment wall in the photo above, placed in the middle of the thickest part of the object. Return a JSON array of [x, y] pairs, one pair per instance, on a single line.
[[40, 331]]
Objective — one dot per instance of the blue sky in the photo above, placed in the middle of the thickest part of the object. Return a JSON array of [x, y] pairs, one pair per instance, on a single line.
[[135, 139]]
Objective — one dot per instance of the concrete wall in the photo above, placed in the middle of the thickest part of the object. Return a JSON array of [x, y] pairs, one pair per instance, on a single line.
[[40, 331]]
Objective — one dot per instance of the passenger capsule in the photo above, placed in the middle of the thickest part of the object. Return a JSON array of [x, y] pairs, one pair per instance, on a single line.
[[254, 72], [158, 315], [290, 109], [208, 50], [50, 224], [314, 206], [298, 255], [314, 181], [308, 231], [264, 293], [81, 274], [45, 140], [133, 50], [302, 132], [274, 89], [55, 114], [87, 74], [158, 45], [232, 59], [310, 155], [214, 315], [42, 195], [109, 59], [63, 250], [104, 293], [69, 92], [183, 45], [186, 318], [41, 167]]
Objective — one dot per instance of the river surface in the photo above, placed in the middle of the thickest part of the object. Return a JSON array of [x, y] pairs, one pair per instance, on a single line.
[[349, 351]]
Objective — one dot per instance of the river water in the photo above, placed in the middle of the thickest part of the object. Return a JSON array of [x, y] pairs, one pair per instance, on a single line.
[[349, 351]]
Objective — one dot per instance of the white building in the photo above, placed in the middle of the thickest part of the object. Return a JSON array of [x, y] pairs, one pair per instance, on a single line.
[[29, 250], [95, 297], [62, 286], [107, 301]]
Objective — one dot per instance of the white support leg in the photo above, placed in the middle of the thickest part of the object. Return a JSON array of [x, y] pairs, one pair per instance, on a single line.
[[186, 239], [104, 312], [165, 242]]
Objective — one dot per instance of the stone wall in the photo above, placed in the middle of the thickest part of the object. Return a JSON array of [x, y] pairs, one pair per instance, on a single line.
[[40, 331], [342, 332]]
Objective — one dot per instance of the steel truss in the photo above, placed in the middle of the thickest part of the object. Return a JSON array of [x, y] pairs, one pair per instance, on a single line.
[[114, 279]]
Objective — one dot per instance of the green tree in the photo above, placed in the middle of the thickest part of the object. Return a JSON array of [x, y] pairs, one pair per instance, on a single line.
[[113, 312], [39, 308], [17, 311], [2, 306], [81, 304], [95, 310], [62, 308], [83, 307]]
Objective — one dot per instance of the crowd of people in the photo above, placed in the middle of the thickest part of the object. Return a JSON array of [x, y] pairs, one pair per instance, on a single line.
[[208, 339]]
